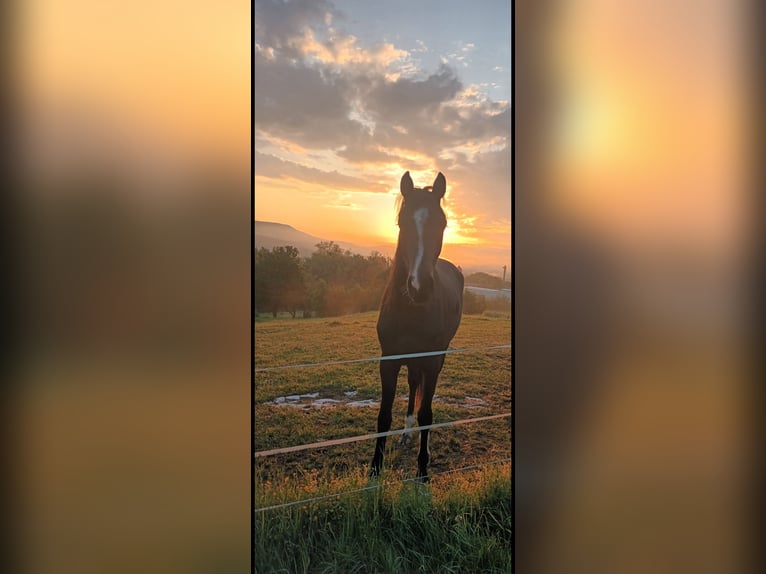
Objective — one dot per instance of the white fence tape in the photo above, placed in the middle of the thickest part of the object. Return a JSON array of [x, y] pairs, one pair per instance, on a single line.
[[337, 441], [383, 358]]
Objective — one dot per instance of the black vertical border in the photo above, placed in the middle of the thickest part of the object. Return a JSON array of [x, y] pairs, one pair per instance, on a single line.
[[251, 215], [512, 24]]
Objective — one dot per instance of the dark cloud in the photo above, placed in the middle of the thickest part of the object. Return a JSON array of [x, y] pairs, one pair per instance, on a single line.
[[279, 23], [447, 126], [293, 94], [406, 98], [482, 123], [306, 104]]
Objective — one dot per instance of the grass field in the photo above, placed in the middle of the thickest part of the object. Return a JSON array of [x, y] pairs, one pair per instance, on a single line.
[[460, 522]]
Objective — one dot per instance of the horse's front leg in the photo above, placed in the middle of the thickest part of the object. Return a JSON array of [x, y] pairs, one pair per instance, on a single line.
[[389, 371], [415, 380]]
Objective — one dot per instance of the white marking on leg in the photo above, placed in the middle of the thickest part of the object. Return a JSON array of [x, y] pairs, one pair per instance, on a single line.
[[409, 422], [420, 217]]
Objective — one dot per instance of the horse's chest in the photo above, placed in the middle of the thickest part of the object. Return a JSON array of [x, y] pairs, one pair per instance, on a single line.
[[411, 332]]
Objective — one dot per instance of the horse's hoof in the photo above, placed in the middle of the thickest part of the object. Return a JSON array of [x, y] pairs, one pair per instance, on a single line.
[[405, 440]]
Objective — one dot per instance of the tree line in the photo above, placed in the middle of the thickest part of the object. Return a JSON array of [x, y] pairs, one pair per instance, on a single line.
[[333, 282], [330, 282]]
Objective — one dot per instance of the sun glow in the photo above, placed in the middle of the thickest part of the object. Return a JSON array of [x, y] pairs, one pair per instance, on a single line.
[[456, 235]]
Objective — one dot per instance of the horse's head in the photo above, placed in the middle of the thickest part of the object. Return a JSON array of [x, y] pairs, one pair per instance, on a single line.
[[421, 228]]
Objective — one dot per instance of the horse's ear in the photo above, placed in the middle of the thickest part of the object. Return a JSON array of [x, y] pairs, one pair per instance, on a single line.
[[440, 185], [406, 184]]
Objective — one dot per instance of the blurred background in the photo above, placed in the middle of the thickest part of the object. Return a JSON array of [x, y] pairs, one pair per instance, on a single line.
[[633, 284], [130, 239], [128, 230]]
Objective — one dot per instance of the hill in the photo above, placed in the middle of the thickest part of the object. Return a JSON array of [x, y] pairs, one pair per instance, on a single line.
[[486, 281], [269, 234]]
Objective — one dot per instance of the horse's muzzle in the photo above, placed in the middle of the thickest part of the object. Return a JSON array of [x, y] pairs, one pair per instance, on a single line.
[[420, 291]]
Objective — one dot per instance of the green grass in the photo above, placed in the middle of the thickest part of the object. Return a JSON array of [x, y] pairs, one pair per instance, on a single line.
[[462, 524]]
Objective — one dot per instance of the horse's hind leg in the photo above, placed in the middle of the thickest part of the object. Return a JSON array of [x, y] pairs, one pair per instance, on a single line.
[[389, 371], [425, 417], [415, 380]]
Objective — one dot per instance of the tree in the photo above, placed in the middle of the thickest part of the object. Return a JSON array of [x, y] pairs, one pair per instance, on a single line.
[[473, 304], [316, 294], [340, 282], [279, 284], [328, 262]]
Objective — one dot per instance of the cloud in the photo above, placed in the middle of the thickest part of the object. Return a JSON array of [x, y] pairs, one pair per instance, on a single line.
[[344, 51], [486, 182], [280, 24], [368, 153], [341, 95], [479, 194], [301, 102], [404, 98], [368, 109], [270, 166], [422, 48], [302, 29]]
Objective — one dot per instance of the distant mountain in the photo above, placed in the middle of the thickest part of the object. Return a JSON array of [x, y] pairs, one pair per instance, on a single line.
[[471, 258], [269, 235], [487, 281]]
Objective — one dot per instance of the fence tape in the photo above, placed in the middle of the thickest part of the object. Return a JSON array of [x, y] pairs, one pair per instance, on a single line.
[[383, 358], [337, 441]]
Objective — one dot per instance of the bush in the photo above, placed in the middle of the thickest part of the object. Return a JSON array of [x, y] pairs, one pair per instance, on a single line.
[[499, 305], [473, 304]]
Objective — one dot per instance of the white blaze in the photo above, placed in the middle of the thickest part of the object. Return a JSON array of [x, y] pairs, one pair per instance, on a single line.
[[420, 217]]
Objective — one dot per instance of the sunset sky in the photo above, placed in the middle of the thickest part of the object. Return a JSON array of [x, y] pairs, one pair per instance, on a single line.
[[349, 95]]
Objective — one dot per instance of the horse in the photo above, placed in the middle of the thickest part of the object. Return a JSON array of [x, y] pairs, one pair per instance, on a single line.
[[420, 312]]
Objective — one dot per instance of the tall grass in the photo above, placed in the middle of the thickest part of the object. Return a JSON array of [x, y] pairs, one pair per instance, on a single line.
[[460, 522]]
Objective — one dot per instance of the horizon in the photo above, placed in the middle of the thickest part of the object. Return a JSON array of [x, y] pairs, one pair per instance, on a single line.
[[470, 258], [349, 96]]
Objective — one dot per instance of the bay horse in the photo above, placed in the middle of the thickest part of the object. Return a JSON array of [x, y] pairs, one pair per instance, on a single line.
[[420, 311]]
